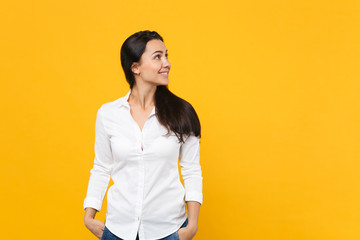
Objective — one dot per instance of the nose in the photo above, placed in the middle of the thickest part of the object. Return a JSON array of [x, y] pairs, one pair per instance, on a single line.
[[166, 63]]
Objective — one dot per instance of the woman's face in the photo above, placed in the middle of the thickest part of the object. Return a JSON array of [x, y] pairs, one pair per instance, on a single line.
[[153, 66]]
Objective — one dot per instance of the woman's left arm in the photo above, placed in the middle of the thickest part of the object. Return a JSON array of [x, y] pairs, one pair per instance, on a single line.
[[193, 216], [192, 175], [188, 232]]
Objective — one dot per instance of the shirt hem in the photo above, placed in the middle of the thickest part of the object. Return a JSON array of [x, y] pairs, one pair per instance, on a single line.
[[112, 230]]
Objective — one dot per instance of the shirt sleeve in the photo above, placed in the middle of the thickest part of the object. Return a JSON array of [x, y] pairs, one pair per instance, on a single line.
[[103, 164], [191, 169]]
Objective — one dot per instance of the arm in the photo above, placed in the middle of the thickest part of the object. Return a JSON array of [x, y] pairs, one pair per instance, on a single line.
[[193, 216], [99, 178], [95, 226], [192, 176]]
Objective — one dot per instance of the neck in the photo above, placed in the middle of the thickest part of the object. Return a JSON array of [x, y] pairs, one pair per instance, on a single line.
[[142, 97]]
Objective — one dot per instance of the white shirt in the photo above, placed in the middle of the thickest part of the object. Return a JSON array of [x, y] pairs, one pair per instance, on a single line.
[[147, 196]]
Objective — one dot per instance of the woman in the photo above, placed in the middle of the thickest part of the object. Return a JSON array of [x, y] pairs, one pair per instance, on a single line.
[[139, 139]]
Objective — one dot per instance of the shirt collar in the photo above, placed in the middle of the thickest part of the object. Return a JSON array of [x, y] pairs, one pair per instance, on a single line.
[[124, 99], [124, 102]]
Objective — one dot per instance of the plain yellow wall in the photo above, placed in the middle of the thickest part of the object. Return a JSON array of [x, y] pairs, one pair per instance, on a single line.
[[275, 84]]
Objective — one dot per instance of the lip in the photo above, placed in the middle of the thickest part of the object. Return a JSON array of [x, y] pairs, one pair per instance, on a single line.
[[165, 75]]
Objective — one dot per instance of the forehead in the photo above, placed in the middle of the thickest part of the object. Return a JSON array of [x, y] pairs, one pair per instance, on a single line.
[[154, 45]]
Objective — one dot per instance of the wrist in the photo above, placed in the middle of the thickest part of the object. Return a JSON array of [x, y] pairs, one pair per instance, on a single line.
[[192, 227]]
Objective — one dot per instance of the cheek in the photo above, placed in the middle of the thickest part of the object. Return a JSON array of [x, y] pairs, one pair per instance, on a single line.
[[151, 72]]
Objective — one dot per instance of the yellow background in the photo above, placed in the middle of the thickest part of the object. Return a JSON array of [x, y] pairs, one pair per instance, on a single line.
[[275, 84]]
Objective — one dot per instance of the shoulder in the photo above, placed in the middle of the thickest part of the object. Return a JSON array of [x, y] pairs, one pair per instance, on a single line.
[[108, 108]]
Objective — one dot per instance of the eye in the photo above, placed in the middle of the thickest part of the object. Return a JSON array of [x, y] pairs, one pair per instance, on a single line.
[[157, 56]]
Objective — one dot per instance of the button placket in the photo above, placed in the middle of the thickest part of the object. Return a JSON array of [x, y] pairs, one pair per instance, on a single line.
[[140, 195], [142, 139], [141, 176]]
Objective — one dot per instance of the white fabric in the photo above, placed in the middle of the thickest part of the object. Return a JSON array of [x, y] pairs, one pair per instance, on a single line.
[[147, 195]]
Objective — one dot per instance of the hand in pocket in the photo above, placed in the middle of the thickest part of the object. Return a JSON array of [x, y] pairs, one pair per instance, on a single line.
[[186, 233], [96, 227]]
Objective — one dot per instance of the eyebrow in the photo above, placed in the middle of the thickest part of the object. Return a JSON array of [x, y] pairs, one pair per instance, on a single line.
[[158, 51]]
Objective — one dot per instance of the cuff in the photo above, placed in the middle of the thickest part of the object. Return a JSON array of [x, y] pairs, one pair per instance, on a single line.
[[194, 196], [93, 203]]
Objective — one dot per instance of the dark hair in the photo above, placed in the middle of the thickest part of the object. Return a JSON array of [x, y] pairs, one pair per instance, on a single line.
[[173, 112]]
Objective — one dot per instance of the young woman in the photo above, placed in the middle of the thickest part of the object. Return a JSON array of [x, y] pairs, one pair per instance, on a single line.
[[139, 139]]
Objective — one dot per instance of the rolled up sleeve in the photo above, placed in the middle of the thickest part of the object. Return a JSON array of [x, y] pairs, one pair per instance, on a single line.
[[190, 169], [103, 164]]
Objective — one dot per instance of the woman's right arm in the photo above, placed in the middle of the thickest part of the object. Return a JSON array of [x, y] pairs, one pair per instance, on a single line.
[[95, 226], [99, 178]]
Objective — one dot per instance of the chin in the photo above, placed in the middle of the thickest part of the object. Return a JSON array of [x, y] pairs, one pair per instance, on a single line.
[[164, 82]]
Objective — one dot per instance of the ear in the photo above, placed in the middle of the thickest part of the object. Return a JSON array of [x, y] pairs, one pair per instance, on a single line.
[[135, 68]]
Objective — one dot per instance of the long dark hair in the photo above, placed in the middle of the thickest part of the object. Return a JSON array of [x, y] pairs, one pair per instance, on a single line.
[[173, 112]]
